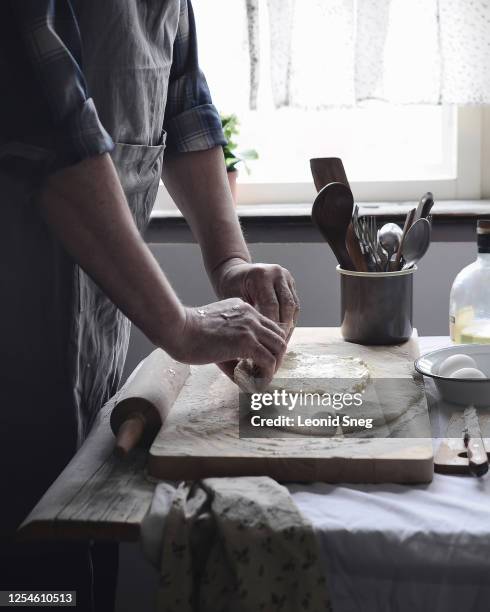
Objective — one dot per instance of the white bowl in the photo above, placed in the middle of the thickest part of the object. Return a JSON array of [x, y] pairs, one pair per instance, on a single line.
[[462, 391]]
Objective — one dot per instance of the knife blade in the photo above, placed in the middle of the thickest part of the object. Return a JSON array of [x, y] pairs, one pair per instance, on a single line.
[[472, 439]]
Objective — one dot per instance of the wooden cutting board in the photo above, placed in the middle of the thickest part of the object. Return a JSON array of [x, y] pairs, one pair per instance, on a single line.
[[200, 437]]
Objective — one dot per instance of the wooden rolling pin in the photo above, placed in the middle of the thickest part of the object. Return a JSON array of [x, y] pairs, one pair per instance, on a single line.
[[146, 399]]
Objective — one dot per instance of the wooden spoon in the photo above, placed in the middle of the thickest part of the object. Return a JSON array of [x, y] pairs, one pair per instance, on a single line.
[[327, 170], [354, 250], [332, 213]]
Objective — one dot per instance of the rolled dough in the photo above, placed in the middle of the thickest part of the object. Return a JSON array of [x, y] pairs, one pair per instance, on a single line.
[[313, 369]]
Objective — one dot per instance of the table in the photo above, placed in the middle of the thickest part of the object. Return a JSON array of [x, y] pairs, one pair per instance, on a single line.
[[386, 547], [405, 548]]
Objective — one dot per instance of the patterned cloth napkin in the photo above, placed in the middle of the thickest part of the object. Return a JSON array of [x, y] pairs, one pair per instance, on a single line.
[[233, 545]]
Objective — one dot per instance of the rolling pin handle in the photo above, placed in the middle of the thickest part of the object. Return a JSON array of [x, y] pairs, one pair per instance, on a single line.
[[130, 433]]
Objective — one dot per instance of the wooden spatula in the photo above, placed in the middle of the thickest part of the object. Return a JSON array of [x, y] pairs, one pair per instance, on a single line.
[[332, 214], [327, 170]]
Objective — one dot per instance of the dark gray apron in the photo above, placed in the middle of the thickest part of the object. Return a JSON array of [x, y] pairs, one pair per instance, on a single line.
[[63, 342], [127, 56]]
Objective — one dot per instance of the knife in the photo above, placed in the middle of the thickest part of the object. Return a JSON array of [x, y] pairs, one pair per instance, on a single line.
[[472, 439]]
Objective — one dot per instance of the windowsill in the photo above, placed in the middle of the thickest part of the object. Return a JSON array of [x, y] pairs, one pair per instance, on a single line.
[[441, 209], [453, 221]]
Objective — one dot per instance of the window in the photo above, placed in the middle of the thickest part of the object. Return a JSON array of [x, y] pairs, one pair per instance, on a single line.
[[391, 152]]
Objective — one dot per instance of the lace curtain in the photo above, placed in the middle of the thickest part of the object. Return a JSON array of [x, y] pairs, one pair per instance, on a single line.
[[326, 53]]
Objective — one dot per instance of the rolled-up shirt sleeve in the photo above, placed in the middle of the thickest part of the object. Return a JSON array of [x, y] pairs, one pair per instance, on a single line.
[[192, 122], [52, 45]]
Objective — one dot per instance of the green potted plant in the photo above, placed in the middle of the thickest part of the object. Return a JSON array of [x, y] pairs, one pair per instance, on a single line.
[[231, 130]]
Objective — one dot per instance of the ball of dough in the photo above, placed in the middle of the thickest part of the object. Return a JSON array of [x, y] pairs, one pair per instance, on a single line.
[[468, 373], [455, 362]]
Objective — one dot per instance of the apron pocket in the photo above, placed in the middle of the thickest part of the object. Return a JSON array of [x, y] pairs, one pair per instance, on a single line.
[[137, 165]]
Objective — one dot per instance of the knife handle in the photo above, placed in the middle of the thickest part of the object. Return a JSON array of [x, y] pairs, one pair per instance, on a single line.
[[408, 224]]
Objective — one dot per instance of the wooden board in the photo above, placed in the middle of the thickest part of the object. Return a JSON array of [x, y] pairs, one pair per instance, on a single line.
[[99, 495], [200, 437]]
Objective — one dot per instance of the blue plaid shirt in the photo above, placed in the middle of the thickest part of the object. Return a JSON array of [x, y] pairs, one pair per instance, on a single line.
[[40, 48]]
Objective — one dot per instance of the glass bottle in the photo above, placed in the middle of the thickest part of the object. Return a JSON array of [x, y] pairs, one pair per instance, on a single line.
[[469, 303]]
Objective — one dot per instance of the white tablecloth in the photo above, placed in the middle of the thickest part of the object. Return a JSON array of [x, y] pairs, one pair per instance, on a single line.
[[397, 548]]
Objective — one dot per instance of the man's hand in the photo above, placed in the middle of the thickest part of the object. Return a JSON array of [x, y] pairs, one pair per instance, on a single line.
[[268, 287], [199, 186], [227, 331]]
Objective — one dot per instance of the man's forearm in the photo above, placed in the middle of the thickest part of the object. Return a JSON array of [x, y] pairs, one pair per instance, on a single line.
[[85, 207], [199, 186]]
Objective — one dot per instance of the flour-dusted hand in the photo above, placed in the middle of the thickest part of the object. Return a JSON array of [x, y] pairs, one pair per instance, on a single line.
[[268, 287], [227, 331]]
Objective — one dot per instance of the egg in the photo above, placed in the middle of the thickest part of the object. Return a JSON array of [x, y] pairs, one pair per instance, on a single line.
[[455, 362], [468, 373]]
